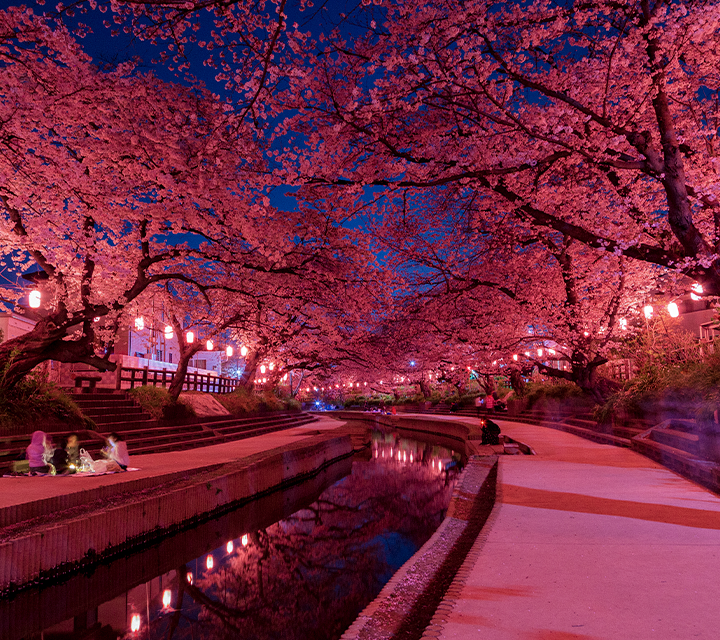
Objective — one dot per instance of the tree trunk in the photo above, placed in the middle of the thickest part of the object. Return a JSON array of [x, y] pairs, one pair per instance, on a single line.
[[425, 389], [247, 379], [45, 342], [516, 382]]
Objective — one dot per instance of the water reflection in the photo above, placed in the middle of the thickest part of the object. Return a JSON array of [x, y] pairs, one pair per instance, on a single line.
[[305, 576]]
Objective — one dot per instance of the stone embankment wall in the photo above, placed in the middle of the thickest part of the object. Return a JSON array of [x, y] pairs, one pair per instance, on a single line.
[[57, 540]]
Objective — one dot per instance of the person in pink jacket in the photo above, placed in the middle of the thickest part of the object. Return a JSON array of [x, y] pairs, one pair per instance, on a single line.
[[36, 453]]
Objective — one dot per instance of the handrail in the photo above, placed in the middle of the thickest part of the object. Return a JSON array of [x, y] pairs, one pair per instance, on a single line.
[[194, 381]]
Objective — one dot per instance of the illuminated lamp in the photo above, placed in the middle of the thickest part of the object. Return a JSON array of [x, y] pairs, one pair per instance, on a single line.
[[190, 337], [540, 352], [168, 332], [527, 353], [209, 345], [210, 562], [648, 311], [586, 334], [623, 323], [243, 351], [230, 546], [364, 384], [135, 623], [262, 368], [189, 577], [229, 351], [285, 377], [515, 357], [34, 299], [696, 289], [673, 310], [139, 323], [271, 366], [244, 540], [166, 598]]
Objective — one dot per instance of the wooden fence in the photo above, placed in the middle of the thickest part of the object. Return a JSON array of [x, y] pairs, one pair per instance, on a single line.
[[130, 377]]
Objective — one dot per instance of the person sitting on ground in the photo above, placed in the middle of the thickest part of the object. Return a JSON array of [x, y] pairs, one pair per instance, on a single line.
[[116, 450], [36, 453], [490, 432], [59, 458], [73, 450]]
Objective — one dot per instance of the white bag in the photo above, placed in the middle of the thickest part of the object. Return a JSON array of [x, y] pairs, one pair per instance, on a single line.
[[86, 462]]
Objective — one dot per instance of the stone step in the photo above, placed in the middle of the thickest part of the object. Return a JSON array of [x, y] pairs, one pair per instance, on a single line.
[[241, 428], [581, 422], [681, 440]]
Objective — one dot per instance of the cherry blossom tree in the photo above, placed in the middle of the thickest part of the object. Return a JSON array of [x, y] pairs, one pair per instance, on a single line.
[[594, 120]]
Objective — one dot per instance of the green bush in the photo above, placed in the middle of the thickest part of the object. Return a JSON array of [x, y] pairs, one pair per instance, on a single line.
[[270, 402], [240, 402], [34, 402], [291, 404], [157, 402]]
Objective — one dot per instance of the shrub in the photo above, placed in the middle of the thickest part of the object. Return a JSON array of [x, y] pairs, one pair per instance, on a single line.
[[270, 402], [34, 403], [239, 402], [291, 404], [157, 402]]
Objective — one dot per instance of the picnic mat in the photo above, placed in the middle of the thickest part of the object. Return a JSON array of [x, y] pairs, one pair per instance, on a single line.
[[82, 474]]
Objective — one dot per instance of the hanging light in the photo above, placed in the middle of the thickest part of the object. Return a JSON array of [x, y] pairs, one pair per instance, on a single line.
[[135, 623], [623, 323], [210, 562], [166, 598], [271, 366], [262, 368], [229, 351], [696, 289], [515, 357], [244, 540], [673, 310], [139, 323], [540, 352], [34, 299], [189, 577], [190, 337], [209, 345], [230, 546], [527, 353], [168, 332], [648, 311], [285, 377], [243, 351]]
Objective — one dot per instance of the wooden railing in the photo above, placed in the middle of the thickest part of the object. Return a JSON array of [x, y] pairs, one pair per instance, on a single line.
[[129, 378]]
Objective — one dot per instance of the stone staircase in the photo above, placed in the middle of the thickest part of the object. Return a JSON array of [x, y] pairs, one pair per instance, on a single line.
[[113, 411], [117, 412]]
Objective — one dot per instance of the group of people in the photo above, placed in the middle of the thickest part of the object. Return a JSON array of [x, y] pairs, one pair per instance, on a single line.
[[65, 458]]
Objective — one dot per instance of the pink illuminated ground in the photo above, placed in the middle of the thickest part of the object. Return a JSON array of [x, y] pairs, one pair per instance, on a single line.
[[590, 541]]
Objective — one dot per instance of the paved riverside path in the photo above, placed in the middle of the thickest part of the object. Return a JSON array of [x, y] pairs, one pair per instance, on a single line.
[[17, 494], [588, 541]]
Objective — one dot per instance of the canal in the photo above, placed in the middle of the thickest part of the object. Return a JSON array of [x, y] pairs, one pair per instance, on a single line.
[[296, 564]]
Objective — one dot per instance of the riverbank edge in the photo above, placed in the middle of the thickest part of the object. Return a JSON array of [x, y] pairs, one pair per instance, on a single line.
[[47, 552], [406, 605]]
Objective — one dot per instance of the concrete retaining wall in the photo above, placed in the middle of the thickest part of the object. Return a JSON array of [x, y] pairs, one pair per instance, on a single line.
[[111, 527]]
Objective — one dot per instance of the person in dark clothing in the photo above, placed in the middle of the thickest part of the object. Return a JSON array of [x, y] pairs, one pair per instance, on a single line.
[[490, 433], [59, 458]]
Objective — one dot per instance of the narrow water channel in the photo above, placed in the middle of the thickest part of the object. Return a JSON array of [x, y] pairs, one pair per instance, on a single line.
[[298, 564]]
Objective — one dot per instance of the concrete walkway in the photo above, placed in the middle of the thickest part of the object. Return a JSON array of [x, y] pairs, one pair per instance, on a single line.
[[22, 497], [588, 541]]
